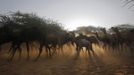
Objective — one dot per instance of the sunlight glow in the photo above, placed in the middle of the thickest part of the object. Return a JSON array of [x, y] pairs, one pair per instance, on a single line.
[[74, 23]]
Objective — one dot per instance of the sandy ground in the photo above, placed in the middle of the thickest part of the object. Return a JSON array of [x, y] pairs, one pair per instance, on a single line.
[[100, 63]]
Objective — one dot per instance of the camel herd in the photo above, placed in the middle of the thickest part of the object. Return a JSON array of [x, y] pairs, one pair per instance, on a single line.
[[18, 29]]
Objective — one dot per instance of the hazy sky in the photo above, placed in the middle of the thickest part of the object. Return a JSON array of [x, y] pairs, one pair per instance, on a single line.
[[74, 13]]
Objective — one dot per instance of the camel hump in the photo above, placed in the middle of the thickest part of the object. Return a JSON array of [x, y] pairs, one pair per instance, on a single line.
[[85, 41]]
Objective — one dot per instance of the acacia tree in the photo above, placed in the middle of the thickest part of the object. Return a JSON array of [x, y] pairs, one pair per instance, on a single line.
[[25, 28]]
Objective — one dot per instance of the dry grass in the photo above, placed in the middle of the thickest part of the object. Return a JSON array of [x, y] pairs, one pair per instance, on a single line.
[[102, 63]]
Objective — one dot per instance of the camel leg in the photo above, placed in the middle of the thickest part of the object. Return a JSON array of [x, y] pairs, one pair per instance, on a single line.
[[88, 50], [78, 51], [13, 53], [12, 46], [62, 49], [77, 48], [40, 51], [49, 52], [10, 49], [91, 48], [20, 52], [54, 51], [27, 45]]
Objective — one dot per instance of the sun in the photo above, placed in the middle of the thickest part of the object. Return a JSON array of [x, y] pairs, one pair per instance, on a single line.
[[74, 23]]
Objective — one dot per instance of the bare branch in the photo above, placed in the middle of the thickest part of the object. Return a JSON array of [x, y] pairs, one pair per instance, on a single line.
[[131, 6], [127, 2]]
